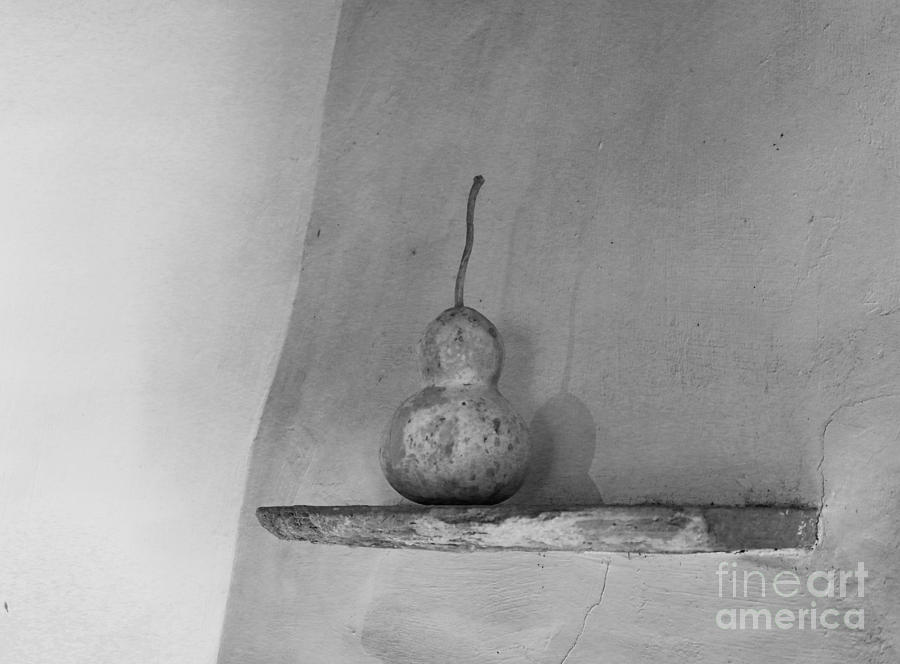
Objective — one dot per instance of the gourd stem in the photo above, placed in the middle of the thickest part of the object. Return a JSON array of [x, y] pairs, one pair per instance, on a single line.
[[470, 237]]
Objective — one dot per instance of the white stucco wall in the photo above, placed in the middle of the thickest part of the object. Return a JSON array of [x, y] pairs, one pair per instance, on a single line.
[[688, 239], [156, 164]]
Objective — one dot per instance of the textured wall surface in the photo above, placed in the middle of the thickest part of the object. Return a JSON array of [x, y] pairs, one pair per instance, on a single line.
[[688, 240], [156, 172]]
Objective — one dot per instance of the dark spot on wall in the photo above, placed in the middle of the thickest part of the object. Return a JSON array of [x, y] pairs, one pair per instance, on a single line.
[[318, 232], [496, 425]]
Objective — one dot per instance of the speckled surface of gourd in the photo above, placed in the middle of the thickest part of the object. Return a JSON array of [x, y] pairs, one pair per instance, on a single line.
[[458, 440]]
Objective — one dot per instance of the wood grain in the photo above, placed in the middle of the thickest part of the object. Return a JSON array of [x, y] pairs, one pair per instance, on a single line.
[[624, 528]]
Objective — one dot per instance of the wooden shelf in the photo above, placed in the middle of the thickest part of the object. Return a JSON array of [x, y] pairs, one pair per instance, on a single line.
[[608, 528]]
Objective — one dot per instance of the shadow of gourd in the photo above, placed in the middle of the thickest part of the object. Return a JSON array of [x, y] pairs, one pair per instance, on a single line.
[[563, 440]]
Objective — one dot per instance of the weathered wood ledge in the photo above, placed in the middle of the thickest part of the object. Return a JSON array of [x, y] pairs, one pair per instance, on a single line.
[[607, 528]]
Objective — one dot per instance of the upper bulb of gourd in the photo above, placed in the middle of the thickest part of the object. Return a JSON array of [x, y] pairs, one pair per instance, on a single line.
[[460, 347]]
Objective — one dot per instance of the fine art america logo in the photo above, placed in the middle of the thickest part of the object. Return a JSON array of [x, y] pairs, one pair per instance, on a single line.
[[808, 598]]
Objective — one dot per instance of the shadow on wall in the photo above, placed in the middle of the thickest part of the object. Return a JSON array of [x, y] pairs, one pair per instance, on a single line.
[[564, 440]]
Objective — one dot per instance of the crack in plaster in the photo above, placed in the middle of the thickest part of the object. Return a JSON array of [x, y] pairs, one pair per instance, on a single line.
[[587, 615], [820, 533], [819, 247]]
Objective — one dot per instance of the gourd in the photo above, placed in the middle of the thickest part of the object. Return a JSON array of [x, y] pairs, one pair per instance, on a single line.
[[458, 440]]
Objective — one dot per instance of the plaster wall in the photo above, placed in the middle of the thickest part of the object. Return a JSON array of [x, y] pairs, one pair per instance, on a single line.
[[688, 241], [156, 172]]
